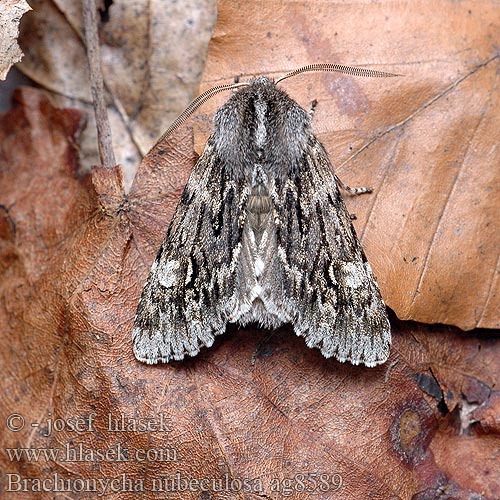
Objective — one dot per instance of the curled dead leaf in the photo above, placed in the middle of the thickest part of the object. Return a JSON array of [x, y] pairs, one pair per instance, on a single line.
[[152, 54]]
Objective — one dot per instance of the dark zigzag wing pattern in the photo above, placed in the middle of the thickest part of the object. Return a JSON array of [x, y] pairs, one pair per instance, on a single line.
[[188, 295]]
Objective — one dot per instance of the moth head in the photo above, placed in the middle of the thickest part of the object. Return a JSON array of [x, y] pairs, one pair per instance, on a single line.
[[260, 124]]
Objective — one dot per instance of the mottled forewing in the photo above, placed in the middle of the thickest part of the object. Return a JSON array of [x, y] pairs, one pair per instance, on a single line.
[[327, 279], [189, 292]]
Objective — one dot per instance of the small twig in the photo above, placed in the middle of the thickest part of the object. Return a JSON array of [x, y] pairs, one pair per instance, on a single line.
[[96, 84]]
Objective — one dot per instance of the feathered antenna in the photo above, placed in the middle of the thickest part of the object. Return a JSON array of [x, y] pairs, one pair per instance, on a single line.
[[202, 98], [347, 70], [194, 105]]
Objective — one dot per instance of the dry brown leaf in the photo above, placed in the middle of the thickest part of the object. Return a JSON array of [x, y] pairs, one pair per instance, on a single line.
[[74, 253], [11, 12], [427, 142], [153, 54]]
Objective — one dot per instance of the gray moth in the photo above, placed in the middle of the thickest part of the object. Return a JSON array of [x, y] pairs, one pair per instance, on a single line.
[[262, 235]]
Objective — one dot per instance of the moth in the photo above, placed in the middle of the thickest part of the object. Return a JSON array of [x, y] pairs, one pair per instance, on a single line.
[[262, 235]]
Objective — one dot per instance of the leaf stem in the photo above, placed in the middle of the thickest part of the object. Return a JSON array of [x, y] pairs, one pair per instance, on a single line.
[[96, 84]]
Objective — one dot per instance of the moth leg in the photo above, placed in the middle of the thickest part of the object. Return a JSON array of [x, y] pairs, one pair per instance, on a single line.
[[259, 348], [314, 103], [353, 191], [236, 79]]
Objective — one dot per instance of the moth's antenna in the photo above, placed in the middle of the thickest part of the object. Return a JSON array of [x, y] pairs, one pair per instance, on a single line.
[[348, 70], [194, 105]]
